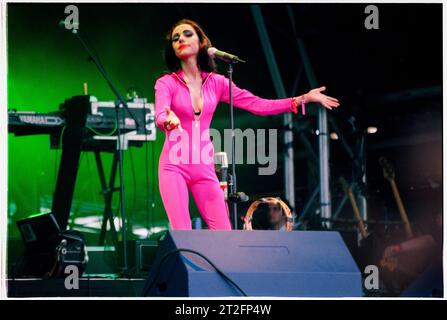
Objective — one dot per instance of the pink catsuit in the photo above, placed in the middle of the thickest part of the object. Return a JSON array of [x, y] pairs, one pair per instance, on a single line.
[[181, 168]]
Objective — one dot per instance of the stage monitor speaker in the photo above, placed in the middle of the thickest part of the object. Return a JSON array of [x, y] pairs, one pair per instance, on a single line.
[[260, 262], [41, 235]]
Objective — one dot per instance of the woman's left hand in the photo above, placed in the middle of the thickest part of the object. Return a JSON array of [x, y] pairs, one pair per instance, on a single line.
[[315, 95]]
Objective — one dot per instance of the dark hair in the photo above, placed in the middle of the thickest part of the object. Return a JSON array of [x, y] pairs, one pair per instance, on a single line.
[[204, 61]]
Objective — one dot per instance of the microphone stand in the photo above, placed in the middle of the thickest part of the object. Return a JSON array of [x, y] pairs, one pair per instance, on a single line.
[[233, 181], [120, 101], [233, 196]]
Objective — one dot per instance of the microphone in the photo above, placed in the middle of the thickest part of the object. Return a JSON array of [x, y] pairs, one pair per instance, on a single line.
[[224, 56], [239, 197], [221, 168]]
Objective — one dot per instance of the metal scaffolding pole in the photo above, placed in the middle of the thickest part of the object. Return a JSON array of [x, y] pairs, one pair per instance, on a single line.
[[323, 136], [289, 179], [323, 141], [358, 164]]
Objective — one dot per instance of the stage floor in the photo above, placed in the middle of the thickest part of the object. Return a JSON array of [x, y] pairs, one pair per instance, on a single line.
[[88, 287]]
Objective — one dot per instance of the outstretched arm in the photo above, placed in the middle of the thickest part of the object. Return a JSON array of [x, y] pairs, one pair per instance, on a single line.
[[244, 99], [165, 118], [162, 100]]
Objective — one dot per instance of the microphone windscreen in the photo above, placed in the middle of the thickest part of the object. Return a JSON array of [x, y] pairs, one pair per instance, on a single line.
[[221, 159]]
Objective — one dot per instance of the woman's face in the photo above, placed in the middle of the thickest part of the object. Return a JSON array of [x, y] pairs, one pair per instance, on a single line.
[[185, 41], [275, 213]]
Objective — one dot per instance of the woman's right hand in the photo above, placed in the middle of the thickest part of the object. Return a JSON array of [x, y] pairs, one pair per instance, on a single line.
[[172, 121]]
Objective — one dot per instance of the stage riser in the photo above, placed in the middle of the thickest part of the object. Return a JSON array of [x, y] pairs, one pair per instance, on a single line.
[[28, 288]]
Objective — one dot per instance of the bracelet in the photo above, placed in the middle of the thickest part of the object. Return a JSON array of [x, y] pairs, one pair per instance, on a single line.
[[296, 103], [294, 107], [303, 104]]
